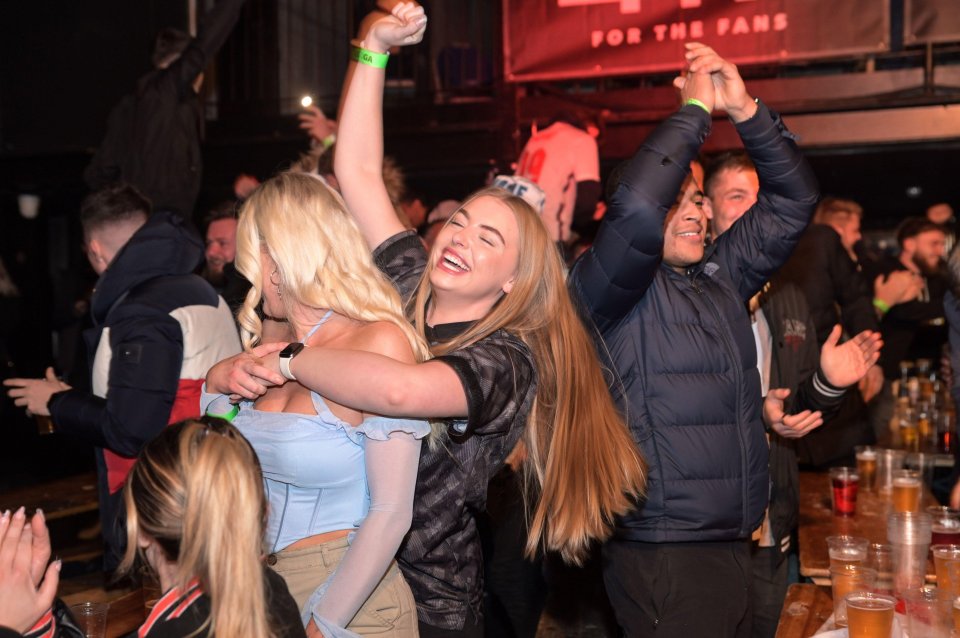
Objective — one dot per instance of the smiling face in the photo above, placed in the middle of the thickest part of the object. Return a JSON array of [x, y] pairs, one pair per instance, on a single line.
[[475, 257], [221, 243], [928, 250], [685, 227], [732, 192]]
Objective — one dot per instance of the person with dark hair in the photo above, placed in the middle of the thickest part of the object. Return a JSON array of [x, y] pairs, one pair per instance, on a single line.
[[157, 330], [221, 242], [153, 134], [221, 249], [807, 381], [915, 329], [673, 319]]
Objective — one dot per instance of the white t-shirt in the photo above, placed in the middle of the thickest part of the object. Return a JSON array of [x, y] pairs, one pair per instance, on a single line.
[[556, 158]]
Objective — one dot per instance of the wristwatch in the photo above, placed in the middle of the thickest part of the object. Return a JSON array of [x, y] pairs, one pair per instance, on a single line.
[[286, 355]]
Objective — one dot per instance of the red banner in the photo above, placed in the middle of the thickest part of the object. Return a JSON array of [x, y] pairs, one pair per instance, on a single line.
[[931, 21], [559, 39]]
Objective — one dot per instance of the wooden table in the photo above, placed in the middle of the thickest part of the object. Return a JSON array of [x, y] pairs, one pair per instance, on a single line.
[[805, 609], [58, 499], [817, 522], [126, 612]]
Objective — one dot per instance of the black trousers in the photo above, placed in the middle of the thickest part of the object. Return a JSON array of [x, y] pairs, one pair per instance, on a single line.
[[768, 590], [679, 590]]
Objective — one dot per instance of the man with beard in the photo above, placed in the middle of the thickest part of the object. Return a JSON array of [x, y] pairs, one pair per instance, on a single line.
[[221, 248], [915, 329]]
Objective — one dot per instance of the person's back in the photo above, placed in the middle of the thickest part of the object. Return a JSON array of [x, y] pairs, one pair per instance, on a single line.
[[157, 329], [196, 511], [559, 159]]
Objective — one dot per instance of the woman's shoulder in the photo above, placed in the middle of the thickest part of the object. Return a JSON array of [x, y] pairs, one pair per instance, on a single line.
[[382, 337]]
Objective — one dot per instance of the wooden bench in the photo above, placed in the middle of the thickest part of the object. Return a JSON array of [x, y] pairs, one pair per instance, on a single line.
[[58, 499]]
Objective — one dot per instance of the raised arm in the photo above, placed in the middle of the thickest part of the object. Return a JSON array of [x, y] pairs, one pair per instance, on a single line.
[[213, 32], [762, 240], [616, 271], [358, 162]]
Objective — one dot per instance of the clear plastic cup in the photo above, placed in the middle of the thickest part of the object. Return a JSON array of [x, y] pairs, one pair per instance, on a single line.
[[952, 570], [907, 491], [92, 618], [909, 535], [846, 580], [870, 615], [847, 550], [942, 554], [946, 525], [867, 466], [844, 483], [880, 558], [929, 612], [888, 461], [923, 463]]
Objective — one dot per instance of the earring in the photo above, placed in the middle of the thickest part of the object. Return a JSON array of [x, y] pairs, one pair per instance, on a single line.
[[276, 283]]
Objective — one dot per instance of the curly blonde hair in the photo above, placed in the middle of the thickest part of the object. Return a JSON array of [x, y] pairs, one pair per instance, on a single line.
[[322, 260]]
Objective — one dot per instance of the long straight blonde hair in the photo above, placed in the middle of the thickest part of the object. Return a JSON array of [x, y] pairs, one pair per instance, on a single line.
[[581, 461], [197, 491], [322, 259]]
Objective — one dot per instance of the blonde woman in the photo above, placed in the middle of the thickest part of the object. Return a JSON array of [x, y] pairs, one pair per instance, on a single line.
[[195, 513], [339, 480], [511, 359]]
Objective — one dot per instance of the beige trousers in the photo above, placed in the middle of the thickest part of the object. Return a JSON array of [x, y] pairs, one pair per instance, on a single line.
[[390, 610]]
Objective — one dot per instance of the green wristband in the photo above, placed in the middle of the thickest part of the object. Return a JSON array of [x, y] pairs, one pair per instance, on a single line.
[[881, 305], [693, 100], [368, 57], [329, 140], [227, 416]]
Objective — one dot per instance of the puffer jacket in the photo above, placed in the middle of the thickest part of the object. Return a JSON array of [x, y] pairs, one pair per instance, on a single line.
[[157, 329], [681, 344]]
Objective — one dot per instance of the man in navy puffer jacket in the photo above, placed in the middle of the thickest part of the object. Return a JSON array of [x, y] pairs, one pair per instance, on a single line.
[[675, 329]]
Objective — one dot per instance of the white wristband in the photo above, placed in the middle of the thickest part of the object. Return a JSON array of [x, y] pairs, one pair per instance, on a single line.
[[285, 368]]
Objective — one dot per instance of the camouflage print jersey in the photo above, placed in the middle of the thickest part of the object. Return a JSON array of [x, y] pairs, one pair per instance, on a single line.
[[441, 556]]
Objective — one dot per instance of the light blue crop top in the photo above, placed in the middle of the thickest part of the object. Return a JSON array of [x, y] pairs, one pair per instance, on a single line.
[[313, 466]]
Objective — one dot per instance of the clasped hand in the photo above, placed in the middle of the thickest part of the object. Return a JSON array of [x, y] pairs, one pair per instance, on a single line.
[[714, 82], [247, 375]]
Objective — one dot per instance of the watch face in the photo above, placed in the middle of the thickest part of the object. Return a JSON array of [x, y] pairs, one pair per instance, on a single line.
[[291, 350]]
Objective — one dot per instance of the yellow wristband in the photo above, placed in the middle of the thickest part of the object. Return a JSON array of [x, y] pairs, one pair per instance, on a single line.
[[368, 57], [881, 305], [693, 100]]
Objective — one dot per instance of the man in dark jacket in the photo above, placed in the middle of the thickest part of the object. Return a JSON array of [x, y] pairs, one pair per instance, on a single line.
[[675, 328], [157, 329], [153, 136], [790, 363]]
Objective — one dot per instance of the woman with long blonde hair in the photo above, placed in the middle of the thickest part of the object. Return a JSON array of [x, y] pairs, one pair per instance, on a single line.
[[511, 359], [195, 514], [339, 479]]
